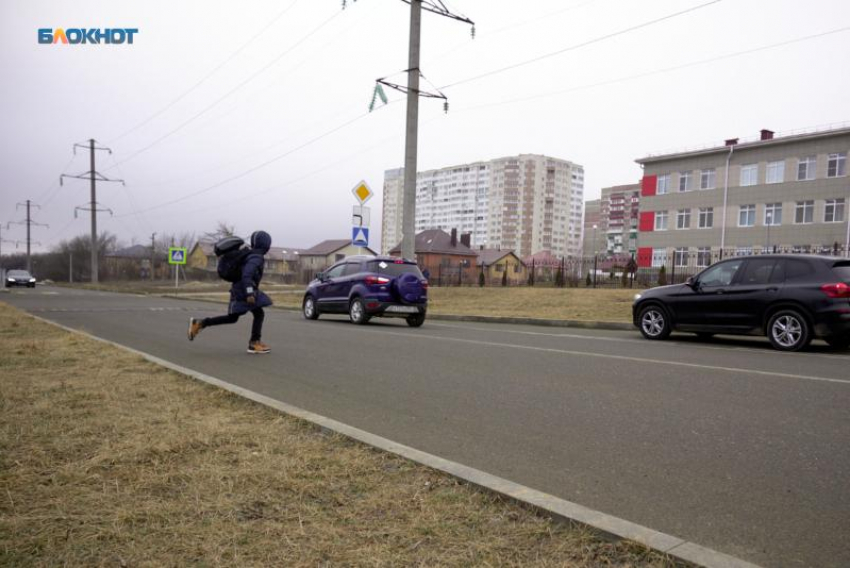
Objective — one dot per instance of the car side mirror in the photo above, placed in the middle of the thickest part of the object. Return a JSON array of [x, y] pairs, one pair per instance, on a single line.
[[692, 282], [320, 276]]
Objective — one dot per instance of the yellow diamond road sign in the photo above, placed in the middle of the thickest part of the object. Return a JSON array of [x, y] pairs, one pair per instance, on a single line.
[[362, 192]]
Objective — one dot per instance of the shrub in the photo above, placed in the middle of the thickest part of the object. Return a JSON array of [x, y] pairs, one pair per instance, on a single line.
[[662, 276]]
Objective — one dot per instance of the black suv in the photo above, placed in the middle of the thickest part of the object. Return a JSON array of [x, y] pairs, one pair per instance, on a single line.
[[790, 298], [369, 286]]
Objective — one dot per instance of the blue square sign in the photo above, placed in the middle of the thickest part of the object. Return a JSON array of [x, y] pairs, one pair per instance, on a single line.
[[360, 236]]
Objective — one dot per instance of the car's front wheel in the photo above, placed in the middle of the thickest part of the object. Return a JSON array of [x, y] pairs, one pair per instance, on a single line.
[[654, 323], [416, 320], [788, 330], [309, 309], [357, 312]]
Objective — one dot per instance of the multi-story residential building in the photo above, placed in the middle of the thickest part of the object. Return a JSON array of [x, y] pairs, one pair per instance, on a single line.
[[525, 203], [774, 193], [392, 214], [619, 211], [592, 227]]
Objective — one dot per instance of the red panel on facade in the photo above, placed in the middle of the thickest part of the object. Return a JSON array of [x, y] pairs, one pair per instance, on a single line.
[[644, 257], [647, 221], [647, 186]]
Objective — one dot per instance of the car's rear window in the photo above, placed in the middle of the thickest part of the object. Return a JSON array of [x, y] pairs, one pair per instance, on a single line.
[[842, 270], [392, 269]]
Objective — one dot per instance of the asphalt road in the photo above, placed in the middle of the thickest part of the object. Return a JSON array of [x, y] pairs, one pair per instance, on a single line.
[[728, 444]]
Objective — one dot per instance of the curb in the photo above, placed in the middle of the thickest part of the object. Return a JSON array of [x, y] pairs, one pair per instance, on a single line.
[[562, 509], [577, 324]]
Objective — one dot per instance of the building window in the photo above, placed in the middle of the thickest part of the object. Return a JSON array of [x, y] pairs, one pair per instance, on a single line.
[[747, 216], [662, 185], [706, 179], [659, 257], [680, 257], [744, 251], [703, 257], [706, 217], [749, 174], [837, 165], [805, 212], [683, 219], [773, 214], [776, 172], [834, 212], [806, 168], [660, 220], [685, 181]]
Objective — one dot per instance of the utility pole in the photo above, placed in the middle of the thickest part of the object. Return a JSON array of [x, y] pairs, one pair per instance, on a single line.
[[153, 255], [29, 223], [408, 220], [94, 176]]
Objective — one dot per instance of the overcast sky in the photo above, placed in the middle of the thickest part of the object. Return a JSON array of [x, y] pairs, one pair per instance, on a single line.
[[213, 111]]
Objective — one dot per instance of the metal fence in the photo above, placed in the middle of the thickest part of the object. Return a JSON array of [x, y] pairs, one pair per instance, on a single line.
[[620, 271]]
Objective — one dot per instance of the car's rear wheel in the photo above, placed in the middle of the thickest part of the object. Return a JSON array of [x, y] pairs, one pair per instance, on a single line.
[[309, 309], [788, 330], [416, 320], [357, 312], [838, 342], [654, 323]]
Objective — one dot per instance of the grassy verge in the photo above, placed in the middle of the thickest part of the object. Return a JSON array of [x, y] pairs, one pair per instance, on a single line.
[[106, 459]]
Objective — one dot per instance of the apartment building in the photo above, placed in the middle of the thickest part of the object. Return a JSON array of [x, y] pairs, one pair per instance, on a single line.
[[525, 203], [592, 227], [615, 216], [787, 193]]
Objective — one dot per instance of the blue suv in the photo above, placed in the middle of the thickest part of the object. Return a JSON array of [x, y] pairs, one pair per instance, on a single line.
[[369, 286]]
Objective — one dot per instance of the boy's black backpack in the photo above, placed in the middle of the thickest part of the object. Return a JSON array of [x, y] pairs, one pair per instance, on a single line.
[[231, 257]]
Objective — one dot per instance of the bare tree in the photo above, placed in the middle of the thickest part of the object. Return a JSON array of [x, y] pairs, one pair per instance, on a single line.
[[221, 230]]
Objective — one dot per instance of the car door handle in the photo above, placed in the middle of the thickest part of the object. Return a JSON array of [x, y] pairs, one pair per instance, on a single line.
[[773, 289], [721, 291]]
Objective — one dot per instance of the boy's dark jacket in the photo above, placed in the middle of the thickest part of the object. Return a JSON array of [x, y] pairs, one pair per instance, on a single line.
[[252, 274]]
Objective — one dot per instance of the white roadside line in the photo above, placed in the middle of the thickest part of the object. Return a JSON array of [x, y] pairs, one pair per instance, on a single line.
[[614, 357], [560, 508], [766, 350]]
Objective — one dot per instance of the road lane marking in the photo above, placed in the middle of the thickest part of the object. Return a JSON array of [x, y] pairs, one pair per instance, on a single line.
[[644, 341], [616, 357]]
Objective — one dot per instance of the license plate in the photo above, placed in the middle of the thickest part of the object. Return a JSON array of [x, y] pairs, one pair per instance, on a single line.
[[403, 309]]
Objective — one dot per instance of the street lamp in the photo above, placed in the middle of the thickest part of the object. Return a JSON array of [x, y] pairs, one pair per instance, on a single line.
[[595, 255]]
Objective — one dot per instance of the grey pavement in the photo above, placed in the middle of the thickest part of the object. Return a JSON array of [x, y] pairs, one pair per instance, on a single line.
[[728, 444]]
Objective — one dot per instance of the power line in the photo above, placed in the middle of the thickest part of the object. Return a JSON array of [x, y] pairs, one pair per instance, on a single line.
[[580, 45], [208, 75], [657, 71], [254, 168], [230, 92]]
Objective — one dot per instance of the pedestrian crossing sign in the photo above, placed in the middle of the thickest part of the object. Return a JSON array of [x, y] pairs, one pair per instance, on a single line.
[[360, 236], [177, 255]]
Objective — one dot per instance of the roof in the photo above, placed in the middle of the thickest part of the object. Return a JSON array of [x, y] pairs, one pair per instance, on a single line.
[[325, 248], [206, 247], [436, 241], [488, 257], [542, 258], [288, 254], [775, 141], [135, 251]]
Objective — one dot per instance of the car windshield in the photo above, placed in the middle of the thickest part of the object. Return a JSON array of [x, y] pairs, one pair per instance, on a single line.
[[19, 274], [393, 269]]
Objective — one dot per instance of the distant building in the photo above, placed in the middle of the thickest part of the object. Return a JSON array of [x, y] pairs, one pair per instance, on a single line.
[[326, 253], [526, 203], [592, 227], [448, 260], [774, 193], [495, 263]]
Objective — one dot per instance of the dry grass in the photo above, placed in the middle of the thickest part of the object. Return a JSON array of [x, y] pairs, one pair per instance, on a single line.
[[545, 303], [108, 460]]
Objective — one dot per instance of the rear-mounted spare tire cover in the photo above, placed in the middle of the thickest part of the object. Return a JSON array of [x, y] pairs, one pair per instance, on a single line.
[[408, 287]]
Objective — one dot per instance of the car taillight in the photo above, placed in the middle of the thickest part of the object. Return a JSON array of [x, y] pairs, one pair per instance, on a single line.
[[376, 280], [839, 290], [425, 284]]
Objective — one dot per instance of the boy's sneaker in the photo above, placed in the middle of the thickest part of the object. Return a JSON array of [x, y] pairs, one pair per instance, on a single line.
[[258, 347], [195, 328]]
